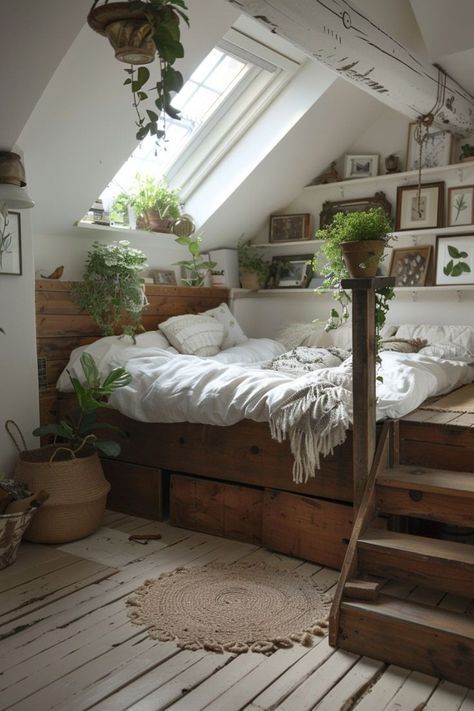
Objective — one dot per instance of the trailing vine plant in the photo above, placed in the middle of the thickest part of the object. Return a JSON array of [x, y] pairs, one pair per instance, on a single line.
[[163, 16], [111, 290]]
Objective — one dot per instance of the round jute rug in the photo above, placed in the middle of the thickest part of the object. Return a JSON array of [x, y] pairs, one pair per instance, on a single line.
[[233, 608]]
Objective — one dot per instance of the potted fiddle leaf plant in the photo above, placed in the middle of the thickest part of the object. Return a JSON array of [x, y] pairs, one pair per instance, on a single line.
[[70, 469], [141, 31], [353, 246], [197, 266]]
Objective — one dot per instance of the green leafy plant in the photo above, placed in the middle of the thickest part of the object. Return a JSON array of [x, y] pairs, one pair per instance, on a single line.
[[370, 224], [148, 195], [251, 260], [197, 267], [456, 266], [111, 290], [77, 431], [163, 17]]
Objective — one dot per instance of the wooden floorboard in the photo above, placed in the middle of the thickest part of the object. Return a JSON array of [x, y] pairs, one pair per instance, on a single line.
[[66, 642]]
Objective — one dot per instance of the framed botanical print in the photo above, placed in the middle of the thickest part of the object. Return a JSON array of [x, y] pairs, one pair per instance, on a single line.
[[436, 148], [10, 243], [420, 211], [461, 205], [454, 260], [361, 166], [410, 266]]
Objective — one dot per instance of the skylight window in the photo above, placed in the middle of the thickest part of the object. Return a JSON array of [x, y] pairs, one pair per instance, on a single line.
[[221, 99]]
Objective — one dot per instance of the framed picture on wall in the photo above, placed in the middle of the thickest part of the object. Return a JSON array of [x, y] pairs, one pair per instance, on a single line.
[[454, 260], [10, 243], [420, 211], [290, 228], [410, 266], [292, 272], [331, 207], [461, 205], [436, 148], [361, 166], [165, 277]]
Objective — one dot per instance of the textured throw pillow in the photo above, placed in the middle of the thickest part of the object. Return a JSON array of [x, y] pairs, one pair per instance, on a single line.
[[310, 334], [402, 345], [302, 360], [439, 335], [233, 334], [449, 351], [194, 335]]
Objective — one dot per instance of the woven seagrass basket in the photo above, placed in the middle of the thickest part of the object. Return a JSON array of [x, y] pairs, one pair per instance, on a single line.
[[12, 528], [77, 492]]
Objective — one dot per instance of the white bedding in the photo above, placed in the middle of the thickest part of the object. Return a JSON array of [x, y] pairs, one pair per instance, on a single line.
[[231, 386]]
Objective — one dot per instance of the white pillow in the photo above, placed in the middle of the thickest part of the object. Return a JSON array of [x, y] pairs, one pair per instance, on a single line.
[[233, 334], [439, 335], [194, 334], [152, 339], [450, 351]]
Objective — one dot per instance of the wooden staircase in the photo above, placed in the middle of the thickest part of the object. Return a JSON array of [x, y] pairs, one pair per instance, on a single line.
[[365, 617]]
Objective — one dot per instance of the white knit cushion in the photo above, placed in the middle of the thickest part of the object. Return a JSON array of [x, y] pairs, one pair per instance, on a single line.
[[194, 335], [439, 335], [233, 334]]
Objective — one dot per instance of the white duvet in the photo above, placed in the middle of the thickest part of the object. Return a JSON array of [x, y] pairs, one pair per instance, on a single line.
[[313, 410]]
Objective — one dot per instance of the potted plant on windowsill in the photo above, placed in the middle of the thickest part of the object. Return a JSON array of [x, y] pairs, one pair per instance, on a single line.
[[353, 246], [156, 205], [70, 469], [253, 267]]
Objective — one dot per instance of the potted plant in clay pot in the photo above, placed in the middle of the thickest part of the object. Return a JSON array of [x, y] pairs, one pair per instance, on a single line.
[[253, 267], [70, 469], [141, 31], [156, 205], [353, 246], [467, 153]]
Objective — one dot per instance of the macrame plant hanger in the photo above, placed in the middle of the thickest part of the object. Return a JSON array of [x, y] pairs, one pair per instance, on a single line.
[[422, 129]]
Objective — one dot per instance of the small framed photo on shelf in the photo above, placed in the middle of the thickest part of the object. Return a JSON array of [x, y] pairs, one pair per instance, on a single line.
[[361, 166], [290, 228], [292, 272], [410, 266], [10, 244], [420, 212], [164, 277], [454, 260], [436, 148], [461, 205]]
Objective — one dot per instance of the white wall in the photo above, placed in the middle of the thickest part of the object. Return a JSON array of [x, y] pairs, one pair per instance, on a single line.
[[18, 374]]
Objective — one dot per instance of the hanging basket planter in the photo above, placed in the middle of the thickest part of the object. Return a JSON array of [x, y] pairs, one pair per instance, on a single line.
[[127, 30]]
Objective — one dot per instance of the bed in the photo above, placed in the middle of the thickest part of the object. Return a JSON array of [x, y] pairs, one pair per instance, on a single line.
[[226, 475]]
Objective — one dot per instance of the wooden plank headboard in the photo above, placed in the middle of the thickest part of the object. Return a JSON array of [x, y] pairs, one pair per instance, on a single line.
[[62, 326]]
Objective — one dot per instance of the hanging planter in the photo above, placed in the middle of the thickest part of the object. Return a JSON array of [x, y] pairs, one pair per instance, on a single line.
[[139, 31]]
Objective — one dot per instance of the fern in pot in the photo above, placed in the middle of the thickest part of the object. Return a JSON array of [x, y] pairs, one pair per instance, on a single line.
[[253, 268], [156, 205]]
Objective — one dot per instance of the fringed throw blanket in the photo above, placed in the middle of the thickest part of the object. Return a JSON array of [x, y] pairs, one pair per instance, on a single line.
[[315, 418]]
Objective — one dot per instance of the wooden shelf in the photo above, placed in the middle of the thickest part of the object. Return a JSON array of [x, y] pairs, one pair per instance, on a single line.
[[275, 245], [405, 290], [462, 229], [403, 177]]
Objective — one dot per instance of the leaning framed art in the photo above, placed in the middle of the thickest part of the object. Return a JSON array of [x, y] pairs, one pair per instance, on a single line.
[[455, 260], [418, 210], [290, 228], [410, 266], [461, 205]]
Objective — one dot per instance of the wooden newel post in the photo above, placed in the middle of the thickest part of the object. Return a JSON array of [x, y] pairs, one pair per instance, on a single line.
[[364, 353]]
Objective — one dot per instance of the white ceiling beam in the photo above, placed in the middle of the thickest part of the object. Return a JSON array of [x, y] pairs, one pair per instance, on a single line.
[[345, 40]]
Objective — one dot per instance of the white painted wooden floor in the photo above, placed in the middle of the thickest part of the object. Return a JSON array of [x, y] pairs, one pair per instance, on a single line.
[[66, 642]]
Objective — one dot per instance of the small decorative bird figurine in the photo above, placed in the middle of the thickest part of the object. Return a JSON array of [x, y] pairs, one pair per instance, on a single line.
[[57, 274]]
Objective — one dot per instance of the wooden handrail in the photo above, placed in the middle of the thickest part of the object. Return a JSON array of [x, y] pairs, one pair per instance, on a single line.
[[365, 514]]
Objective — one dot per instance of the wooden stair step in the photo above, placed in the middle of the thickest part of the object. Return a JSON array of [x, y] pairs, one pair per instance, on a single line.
[[443, 565], [427, 639], [361, 589], [438, 494]]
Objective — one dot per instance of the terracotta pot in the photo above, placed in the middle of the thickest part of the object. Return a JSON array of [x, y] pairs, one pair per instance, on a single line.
[[362, 257], [156, 223], [467, 159], [77, 492], [249, 280], [128, 31]]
